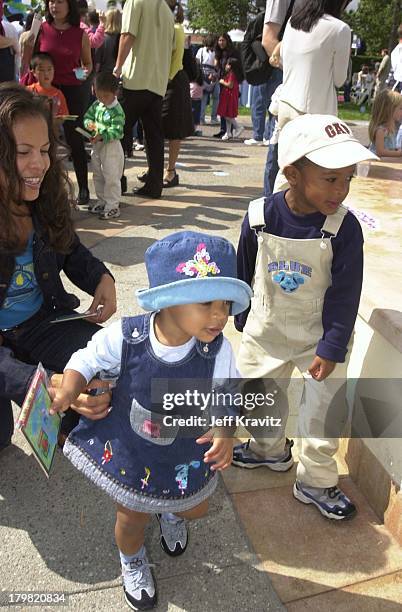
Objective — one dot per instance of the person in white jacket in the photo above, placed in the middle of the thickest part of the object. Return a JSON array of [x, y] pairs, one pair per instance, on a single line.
[[396, 62], [315, 53]]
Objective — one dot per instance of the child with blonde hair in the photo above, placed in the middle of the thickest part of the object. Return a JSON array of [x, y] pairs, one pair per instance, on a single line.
[[384, 124]]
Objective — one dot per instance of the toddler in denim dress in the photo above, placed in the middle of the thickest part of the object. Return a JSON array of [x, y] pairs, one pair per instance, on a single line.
[[149, 466]]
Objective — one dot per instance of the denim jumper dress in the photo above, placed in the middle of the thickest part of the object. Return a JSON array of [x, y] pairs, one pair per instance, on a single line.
[[142, 463]]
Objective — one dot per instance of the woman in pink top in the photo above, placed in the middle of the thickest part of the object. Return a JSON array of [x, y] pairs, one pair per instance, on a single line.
[[62, 37]]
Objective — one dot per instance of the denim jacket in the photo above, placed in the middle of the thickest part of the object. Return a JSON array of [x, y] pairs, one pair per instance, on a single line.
[[82, 269]]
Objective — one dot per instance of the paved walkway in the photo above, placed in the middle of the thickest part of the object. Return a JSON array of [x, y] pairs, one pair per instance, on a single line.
[[259, 549]]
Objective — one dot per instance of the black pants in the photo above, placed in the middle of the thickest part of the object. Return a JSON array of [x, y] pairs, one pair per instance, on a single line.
[[77, 97], [36, 341], [146, 106]]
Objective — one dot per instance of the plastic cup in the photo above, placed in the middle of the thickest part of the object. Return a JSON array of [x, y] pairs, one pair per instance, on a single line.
[[80, 74]]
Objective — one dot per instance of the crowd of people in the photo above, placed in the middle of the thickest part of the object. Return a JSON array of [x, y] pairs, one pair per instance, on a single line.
[[293, 287]]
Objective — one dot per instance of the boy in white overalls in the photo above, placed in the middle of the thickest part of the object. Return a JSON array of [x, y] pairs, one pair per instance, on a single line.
[[302, 253]]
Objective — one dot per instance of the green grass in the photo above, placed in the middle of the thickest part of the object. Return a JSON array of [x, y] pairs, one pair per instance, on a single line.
[[350, 112], [346, 111]]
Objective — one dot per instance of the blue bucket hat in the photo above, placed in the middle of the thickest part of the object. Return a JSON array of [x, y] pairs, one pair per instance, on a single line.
[[190, 268]]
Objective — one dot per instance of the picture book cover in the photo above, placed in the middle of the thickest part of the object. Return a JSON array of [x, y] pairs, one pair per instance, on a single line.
[[38, 426]]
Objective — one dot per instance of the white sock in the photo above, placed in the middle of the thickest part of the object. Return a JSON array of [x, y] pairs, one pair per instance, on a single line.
[[140, 554], [171, 518]]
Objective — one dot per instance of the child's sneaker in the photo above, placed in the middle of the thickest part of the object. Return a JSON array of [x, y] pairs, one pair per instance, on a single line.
[[226, 137], [244, 457], [97, 208], [331, 502], [174, 535], [138, 583], [114, 213]]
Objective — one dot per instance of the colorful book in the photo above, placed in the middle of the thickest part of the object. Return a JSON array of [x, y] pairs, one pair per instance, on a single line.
[[38, 426]]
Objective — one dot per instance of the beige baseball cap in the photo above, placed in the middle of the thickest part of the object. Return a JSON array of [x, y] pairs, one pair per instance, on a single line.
[[325, 140]]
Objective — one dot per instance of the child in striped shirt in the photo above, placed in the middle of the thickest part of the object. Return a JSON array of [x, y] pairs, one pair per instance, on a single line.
[[105, 121]]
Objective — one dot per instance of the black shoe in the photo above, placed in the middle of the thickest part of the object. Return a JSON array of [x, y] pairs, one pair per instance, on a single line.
[[123, 184], [173, 181], [219, 134], [128, 154], [143, 177], [83, 196], [144, 192]]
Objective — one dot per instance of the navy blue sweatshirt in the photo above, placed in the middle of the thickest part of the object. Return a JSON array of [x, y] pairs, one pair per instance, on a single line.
[[342, 298]]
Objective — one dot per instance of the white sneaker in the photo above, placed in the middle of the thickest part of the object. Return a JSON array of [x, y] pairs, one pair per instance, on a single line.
[[253, 141], [114, 213], [226, 137], [239, 131], [139, 147], [266, 142], [138, 583]]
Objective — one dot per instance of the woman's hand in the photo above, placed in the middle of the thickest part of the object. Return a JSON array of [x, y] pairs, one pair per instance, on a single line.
[[104, 301], [94, 407], [221, 451]]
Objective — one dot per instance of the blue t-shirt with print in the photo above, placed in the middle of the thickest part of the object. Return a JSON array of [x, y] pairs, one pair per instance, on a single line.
[[24, 297]]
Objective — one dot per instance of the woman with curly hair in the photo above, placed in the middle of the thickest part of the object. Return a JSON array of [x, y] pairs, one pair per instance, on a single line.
[[37, 242]]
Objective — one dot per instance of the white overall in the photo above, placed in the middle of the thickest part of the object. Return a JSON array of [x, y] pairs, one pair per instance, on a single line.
[[107, 166], [282, 331]]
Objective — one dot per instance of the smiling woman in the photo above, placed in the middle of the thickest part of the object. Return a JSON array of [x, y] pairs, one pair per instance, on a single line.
[[37, 241]]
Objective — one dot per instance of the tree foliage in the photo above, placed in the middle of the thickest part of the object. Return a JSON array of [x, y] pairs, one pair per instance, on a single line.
[[376, 21], [219, 15]]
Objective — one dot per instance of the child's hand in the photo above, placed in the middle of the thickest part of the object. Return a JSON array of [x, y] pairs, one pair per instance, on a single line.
[[90, 125], [62, 399], [92, 407], [221, 450], [321, 368]]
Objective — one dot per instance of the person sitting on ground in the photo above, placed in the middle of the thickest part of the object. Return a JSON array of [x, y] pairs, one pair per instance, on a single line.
[[147, 466], [105, 121], [38, 242], [384, 124]]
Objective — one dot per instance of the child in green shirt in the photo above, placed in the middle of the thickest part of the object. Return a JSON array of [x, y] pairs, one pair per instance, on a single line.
[[105, 121]]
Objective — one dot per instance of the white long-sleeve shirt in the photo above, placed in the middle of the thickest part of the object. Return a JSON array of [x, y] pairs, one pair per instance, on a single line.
[[396, 62], [103, 352], [314, 63]]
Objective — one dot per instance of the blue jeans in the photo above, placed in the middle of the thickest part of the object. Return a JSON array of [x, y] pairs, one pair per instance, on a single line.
[[260, 101], [212, 97], [271, 165], [36, 341]]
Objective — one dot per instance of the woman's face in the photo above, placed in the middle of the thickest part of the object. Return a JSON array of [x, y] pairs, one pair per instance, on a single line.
[[32, 153], [222, 42], [59, 9]]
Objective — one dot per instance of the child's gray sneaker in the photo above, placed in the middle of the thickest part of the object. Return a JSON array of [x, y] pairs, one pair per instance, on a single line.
[[244, 457], [96, 208], [138, 583], [331, 502], [174, 535], [114, 213]]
